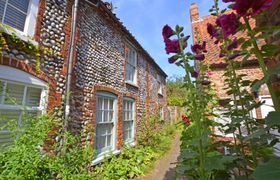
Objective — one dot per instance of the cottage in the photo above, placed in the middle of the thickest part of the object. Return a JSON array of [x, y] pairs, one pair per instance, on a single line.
[[95, 73]]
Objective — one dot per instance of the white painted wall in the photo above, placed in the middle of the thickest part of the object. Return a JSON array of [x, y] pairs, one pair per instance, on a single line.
[[266, 108]]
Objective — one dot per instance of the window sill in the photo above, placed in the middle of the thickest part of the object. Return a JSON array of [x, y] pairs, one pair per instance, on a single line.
[[101, 158], [131, 84], [116, 152], [20, 35]]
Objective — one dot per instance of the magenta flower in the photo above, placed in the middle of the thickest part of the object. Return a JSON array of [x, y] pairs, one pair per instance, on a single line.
[[194, 74], [199, 57], [172, 59], [197, 48], [167, 32], [205, 82], [172, 46], [233, 45], [251, 7], [234, 55], [229, 24], [209, 73], [212, 31]]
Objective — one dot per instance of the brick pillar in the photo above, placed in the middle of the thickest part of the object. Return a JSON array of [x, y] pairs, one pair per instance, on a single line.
[[194, 12]]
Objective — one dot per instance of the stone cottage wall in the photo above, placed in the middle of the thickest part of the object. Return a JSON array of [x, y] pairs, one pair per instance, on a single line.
[[100, 66]]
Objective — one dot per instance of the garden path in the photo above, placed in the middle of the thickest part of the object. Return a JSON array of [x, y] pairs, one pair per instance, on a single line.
[[165, 167]]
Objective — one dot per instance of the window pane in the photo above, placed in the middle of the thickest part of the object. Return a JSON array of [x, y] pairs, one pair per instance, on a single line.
[[14, 18], [105, 107], [1, 90], [7, 118], [109, 140], [33, 97], [14, 94], [21, 5], [2, 6]]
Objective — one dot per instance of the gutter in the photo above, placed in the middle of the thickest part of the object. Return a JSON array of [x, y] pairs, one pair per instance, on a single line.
[[70, 64]]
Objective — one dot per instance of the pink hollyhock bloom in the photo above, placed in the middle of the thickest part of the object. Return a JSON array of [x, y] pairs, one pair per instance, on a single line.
[[234, 55], [197, 48], [205, 82], [167, 32], [229, 24], [199, 57], [172, 46], [212, 31], [172, 59], [251, 7], [194, 74], [233, 45], [209, 73]]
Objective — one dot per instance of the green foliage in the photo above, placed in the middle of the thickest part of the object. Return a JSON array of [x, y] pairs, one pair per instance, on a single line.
[[269, 170], [26, 159], [175, 92], [134, 162]]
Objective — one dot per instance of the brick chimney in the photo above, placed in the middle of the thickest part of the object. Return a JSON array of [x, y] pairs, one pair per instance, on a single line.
[[194, 12]]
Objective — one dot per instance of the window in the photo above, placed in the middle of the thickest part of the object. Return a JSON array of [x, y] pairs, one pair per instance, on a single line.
[[161, 113], [159, 84], [128, 120], [18, 99], [131, 63], [20, 15], [105, 123]]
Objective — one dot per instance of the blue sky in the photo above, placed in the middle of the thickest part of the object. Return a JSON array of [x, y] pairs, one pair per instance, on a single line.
[[145, 19]]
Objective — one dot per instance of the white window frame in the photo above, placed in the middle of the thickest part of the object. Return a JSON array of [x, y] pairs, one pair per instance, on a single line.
[[100, 154], [30, 21], [159, 84], [18, 77], [130, 141], [130, 47]]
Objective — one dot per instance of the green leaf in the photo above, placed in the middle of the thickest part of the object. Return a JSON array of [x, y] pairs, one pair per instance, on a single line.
[[272, 119], [219, 162], [268, 171], [267, 29], [269, 49], [256, 134]]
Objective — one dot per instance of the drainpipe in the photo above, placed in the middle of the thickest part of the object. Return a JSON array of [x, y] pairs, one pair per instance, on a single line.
[[70, 64]]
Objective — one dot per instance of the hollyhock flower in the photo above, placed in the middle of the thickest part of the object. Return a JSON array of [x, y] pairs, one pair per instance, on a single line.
[[205, 82], [194, 74], [172, 59], [199, 57], [197, 48], [251, 7], [167, 32], [212, 31], [186, 120], [234, 55], [233, 45], [172, 46], [209, 73], [229, 24]]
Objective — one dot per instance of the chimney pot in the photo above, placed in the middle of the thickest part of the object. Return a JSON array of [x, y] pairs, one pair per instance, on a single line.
[[194, 12]]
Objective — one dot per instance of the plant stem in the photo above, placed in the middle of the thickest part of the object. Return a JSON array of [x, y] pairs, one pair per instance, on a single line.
[[262, 64]]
